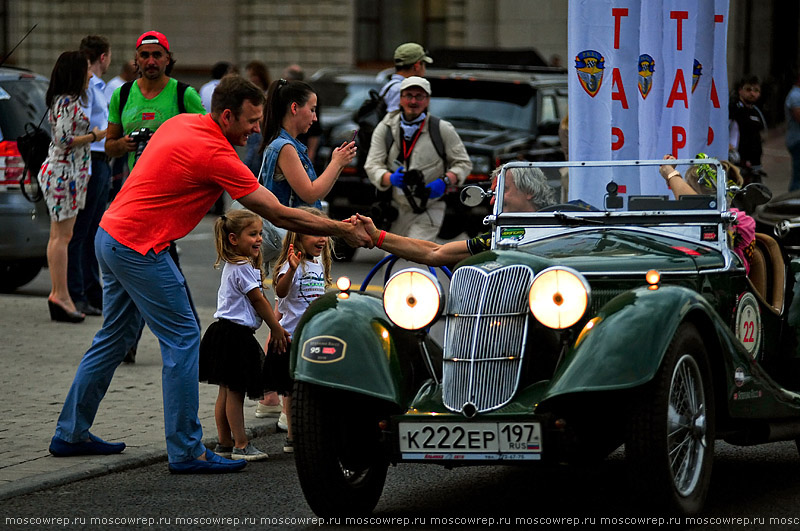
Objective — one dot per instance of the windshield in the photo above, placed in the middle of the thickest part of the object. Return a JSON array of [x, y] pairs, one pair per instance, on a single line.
[[21, 102], [483, 104], [620, 193], [347, 94]]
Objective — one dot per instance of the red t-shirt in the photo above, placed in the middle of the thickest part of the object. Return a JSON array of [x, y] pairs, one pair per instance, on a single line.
[[187, 164]]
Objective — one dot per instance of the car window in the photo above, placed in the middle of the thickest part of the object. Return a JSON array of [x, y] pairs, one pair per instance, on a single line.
[[483, 104], [549, 109], [348, 95], [22, 102]]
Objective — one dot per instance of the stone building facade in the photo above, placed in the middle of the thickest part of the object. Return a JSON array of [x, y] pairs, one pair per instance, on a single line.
[[762, 36]]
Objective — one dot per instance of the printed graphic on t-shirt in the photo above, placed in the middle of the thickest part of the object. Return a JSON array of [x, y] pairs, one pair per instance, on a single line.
[[312, 286]]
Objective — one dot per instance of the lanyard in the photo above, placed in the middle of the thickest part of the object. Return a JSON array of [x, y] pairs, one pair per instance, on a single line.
[[407, 153]]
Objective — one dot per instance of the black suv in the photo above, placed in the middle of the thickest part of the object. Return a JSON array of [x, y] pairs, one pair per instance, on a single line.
[[502, 113], [25, 225]]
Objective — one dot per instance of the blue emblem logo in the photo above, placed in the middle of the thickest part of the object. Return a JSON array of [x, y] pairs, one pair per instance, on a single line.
[[647, 67], [590, 65], [696, 73]]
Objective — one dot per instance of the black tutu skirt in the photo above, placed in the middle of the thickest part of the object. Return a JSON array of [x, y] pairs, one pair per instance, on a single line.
[[230, 356], [276, 371]]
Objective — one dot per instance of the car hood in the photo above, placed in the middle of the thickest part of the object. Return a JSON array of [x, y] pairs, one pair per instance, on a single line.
[[611, 251], [493, 141]]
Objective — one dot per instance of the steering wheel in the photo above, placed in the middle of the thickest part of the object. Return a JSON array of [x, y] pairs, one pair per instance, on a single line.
[[566, 207]]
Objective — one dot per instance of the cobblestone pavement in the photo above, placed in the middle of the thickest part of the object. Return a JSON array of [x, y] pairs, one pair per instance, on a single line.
[[39, 359]]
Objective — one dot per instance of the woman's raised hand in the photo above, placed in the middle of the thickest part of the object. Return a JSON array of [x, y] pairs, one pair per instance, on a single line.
[[343, 154]]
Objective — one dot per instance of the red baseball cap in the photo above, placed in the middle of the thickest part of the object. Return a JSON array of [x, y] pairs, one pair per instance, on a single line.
[[153, 37]]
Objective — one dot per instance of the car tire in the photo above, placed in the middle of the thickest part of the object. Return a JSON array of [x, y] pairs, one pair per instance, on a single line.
[[339, 461], [16, 274], [670, 441]]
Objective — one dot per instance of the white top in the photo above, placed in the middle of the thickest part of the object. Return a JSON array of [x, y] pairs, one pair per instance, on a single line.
[[232, 302], [97, 110], [111, 86], [308, 285], [206, 91]]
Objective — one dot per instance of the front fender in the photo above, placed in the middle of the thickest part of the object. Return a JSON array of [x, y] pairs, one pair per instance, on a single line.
[[349, 344], [625, 349]]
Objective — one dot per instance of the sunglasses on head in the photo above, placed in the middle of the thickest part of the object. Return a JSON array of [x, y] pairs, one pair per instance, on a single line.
[[707, 176]]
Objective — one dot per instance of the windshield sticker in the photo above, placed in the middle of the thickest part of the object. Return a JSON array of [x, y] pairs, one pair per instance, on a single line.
[[324, 349], [515, 233], [4, 95], [747, 395], [739, 377], [748, 323], [708, 233]]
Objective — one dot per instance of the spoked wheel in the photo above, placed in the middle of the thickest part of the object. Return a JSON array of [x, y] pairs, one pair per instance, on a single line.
[[339, 461], [670, 444]]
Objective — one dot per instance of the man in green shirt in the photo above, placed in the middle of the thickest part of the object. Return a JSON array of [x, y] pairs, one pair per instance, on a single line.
[[151, 100]]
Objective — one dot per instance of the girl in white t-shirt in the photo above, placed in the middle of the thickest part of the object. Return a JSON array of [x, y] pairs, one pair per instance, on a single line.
[[230, 355], [302, 273]]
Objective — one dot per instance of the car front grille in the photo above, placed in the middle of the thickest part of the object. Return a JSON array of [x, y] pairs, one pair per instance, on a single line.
[[484, 342]]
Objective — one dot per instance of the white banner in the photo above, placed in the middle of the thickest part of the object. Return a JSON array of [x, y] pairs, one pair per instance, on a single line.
[[648, 78]]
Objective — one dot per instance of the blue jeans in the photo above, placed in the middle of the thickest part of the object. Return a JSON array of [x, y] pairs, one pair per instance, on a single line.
[[794, 150], [136, 286], [83, 274]]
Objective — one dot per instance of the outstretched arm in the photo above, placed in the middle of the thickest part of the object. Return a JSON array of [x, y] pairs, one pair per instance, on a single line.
[[420, 251], [675, 180], [266, 205]]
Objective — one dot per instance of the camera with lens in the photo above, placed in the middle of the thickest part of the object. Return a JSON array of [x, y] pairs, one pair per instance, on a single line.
[[141, 137], [415, 190]]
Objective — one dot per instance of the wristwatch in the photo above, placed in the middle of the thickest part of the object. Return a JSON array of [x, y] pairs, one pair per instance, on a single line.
[[446, 179]]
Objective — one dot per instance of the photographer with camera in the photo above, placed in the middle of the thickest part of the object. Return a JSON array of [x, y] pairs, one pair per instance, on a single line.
[[139, 107], [417, 156]]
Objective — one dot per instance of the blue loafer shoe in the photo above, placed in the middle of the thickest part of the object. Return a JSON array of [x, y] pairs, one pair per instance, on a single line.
[[94, 446], [213, 464]]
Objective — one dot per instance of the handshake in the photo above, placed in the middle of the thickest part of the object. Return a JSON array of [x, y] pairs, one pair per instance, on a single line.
[[413, 182]]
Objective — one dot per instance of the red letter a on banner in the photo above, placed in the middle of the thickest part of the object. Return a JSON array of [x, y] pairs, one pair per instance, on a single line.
[[714, 96], [616, 82], [678, 91]]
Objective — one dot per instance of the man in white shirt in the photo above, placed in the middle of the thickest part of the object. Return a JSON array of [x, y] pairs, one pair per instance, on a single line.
[[83, 273], [126, 73], [219, 70]]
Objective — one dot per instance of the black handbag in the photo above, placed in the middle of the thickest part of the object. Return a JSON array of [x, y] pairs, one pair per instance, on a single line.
[[33, 146]]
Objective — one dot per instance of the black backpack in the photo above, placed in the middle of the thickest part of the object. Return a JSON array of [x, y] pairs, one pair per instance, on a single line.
[[125, 91], [368, 116]]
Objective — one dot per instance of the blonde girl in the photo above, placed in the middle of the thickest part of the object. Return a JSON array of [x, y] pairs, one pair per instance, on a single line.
[[230, 355], [302, 273]]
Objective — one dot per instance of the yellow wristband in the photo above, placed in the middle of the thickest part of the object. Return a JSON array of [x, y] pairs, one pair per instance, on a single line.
[[673, 173]]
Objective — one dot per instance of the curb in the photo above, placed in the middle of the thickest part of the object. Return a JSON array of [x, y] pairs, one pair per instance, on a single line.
[[136, 457]]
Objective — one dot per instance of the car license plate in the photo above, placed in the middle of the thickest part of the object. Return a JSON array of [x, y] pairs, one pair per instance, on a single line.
[[472, 441]]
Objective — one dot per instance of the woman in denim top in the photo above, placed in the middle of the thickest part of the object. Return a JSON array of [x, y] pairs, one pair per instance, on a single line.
[[289, 173]]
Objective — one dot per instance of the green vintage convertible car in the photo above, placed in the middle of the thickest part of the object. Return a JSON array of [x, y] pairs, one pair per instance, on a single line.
[[580, 330]]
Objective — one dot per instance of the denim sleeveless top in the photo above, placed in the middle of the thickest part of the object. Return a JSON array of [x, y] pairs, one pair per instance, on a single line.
[[281, 188]]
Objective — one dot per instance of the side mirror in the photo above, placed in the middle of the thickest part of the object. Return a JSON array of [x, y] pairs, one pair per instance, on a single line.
[[473, 196]]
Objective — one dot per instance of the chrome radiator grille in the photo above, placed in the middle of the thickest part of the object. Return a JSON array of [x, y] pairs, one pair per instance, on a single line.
[[487, 316]]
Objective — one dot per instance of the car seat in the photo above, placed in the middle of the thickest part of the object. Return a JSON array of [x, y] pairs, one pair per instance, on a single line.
[[767, 271]]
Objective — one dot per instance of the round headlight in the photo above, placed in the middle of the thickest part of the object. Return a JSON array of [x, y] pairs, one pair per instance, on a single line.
[[558, 297], [413, 299]]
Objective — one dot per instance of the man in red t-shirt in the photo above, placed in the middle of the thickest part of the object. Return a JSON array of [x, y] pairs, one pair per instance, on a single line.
[[189, 161]]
